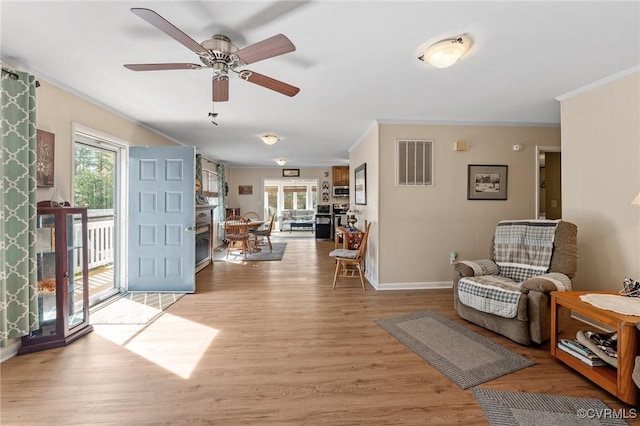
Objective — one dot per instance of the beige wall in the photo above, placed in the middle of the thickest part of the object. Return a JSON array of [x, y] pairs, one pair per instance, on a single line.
[[255, 176], [601, 176], [420, 226], [58, 110], [366, 151]]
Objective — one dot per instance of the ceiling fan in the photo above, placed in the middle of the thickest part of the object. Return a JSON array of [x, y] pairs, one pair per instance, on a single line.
[[219, 54]]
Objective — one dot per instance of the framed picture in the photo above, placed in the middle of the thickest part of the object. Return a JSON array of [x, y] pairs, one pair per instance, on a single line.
[[360, 180], [290, 172], [45, 150], [487, 182], [245, 189]]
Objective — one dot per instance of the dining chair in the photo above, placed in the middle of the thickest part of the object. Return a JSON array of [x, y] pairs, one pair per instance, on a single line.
[[251, 216], [264, 234], [237, 233], [350, 263]]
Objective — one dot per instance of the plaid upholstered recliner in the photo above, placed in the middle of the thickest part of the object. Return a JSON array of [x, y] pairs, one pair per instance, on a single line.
[[510, 293]]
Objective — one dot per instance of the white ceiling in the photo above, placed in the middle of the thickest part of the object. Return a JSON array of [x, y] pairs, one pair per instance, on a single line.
[[355, 63]]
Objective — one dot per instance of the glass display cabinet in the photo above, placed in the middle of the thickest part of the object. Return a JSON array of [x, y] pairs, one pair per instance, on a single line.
[[63, 280]]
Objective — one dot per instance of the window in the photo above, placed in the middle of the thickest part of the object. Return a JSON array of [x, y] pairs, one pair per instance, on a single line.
[[285, 194], [414, 162]]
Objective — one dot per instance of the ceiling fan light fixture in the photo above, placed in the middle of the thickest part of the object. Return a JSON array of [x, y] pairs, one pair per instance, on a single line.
[[269, 138], [446, 52], [281, 161]]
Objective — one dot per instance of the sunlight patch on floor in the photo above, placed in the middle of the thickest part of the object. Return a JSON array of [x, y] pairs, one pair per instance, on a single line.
[[168, 342]]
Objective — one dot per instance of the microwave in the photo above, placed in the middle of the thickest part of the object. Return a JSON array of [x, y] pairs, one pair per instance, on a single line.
[[340, 192]]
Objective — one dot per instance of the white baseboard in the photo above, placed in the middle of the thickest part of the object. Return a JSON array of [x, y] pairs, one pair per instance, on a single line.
[[414, 286], [9, 351]]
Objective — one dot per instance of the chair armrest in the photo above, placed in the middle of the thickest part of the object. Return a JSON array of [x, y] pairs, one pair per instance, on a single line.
[[476, 268], [546, 283]]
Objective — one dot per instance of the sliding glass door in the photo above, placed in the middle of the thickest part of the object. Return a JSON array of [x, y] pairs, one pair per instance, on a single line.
[[96, 183]]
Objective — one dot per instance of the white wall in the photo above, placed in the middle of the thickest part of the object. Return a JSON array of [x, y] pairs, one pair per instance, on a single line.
[[601, 176]]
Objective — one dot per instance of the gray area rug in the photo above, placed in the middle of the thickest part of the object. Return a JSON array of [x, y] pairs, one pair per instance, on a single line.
[[220, 254], [134, 308], [505, 408], [462, 355]]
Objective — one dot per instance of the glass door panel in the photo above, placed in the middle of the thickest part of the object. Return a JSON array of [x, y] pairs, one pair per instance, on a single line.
[[46, 276], [96, 183], [76, 274]]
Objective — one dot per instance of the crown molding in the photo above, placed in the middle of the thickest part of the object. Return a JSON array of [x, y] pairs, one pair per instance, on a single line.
[[602, 82]]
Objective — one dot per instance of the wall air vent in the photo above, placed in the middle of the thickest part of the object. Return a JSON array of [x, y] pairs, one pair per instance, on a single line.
[[414, 162]]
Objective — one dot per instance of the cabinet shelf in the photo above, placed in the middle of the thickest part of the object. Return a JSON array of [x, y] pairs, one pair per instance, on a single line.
[[63, 303], [616, 381]]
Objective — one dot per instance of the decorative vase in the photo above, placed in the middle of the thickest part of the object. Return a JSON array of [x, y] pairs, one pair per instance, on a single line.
[[56, 198]]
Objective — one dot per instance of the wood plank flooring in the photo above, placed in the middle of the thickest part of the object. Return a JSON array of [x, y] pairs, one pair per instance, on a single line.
[[265, 343]]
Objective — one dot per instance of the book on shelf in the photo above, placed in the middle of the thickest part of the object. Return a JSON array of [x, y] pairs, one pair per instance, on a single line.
[[594, 362], [580, 348]]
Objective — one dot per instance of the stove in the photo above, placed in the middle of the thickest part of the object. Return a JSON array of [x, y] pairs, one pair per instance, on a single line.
[[339, 217]]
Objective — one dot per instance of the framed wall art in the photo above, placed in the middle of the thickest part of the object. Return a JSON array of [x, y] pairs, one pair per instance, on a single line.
[[245, 189], [45, 151], [290, 172], [360, 181], [487, 182]]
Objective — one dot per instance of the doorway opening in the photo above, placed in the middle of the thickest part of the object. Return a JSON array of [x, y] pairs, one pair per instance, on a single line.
[[96, 185], [548, 182], [289, 194]]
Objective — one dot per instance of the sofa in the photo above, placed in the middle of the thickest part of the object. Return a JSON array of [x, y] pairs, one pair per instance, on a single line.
[[510, 293], [300, 216]]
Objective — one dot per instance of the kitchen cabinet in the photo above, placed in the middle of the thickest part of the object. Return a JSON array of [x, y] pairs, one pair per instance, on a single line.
[[63, 280], [340, 175]]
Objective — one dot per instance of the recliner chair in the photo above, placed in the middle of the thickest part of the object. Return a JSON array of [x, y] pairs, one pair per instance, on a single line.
[[510, 293]]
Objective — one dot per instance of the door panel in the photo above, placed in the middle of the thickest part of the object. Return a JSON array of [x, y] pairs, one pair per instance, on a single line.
[[161, 219]]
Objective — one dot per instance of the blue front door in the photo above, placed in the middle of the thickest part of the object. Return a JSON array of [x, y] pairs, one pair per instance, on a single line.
[[161, 255]]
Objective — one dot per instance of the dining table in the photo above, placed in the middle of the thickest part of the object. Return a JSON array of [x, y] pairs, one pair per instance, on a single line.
[[252, 225]]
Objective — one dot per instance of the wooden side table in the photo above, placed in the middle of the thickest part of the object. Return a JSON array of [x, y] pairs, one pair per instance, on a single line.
[[616, 381]]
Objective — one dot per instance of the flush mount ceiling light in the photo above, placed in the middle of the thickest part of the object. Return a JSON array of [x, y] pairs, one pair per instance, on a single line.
[[269, 138], [281, 161], [446, 52]]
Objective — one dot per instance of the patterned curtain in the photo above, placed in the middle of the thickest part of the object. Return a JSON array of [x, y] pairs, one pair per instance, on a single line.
[[18, 284], [222, 203]]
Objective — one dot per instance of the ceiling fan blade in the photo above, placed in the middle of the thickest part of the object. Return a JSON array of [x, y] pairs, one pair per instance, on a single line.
[[269, 83], [168, 28], [220, 89], [267, 48], [162, 67]]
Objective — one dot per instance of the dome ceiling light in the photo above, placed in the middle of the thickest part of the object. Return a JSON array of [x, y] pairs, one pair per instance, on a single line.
[[446, 52], [269, 139], [281, 161]]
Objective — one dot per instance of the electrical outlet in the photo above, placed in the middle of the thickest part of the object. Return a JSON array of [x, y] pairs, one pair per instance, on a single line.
[[452, 257]]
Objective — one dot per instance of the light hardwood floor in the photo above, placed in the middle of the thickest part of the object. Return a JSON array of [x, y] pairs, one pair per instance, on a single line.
[[265, 343]]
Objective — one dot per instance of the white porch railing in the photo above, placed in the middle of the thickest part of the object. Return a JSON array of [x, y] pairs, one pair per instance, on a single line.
[[100, 244]]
